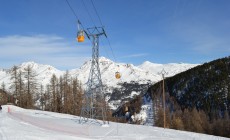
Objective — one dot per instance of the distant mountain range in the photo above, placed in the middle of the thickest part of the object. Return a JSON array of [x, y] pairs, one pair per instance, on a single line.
[[134, 79]]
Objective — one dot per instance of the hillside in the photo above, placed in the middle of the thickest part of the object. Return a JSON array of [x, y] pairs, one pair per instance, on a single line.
[[205, 87], [134, 81], [203, 90]]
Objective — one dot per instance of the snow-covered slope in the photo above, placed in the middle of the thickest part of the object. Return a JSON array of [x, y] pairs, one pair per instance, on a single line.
[[171, 68], [108, 68], [22, 124], [43, 72], [144, 73], [147, 73]]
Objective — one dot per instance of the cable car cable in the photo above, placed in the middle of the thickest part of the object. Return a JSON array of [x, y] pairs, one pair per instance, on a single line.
[[96, 12], [117, 74], [79, 23], [75, 14], [111, 50], [72, 9], [94, 25], [88, 13], [102, 26]]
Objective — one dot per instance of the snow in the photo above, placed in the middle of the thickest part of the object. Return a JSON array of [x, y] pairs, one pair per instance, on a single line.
[[147, 72], [133, 93], [25, 124], [171, 68], [145, 116]]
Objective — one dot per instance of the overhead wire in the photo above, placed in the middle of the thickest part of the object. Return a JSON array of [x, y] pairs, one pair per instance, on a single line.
[[96, 13], [93, 24], [102, 26], [72, 9], [88, 13], [111, 50], [103, 44], [75, 14]]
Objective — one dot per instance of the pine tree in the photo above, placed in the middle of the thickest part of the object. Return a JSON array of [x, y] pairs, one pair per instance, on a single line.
[[226, 125], [3, 87], [47, 97], [205, 122], [160, 118], [186, 118], [13, 78], [3, 94], [60, 95], [21, 93], [177, 122], [31, 86], [42, 97], [217, 127], [53, 86], [66, 91], [76, 96]]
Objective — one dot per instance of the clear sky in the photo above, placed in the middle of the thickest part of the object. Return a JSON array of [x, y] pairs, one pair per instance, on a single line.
[[160, 31]]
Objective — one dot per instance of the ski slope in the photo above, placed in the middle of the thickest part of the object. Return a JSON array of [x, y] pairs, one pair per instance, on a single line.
[[22, 124]]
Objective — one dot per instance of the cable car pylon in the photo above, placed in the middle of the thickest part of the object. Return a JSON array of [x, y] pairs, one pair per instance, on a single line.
[[94, 104]]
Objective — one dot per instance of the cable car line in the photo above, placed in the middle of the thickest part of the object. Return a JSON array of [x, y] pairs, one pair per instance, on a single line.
[[72, 9], [117, 74], [111, 50], [96, 13], [75, 14], [102, 26], [94, 25], [88, 13]]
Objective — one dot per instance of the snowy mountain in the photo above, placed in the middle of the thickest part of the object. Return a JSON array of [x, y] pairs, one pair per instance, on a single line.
[[25, 124], [134, 79], [43, 72], [171, 68]]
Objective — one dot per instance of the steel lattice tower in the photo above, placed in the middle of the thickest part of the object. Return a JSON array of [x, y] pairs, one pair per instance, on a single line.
[[94, 106]]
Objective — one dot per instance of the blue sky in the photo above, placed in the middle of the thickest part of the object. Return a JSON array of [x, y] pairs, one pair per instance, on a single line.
[[160, 31]]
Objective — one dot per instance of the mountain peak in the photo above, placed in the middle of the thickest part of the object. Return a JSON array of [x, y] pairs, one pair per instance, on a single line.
[[147, 63], [29, 63], [104, 59]]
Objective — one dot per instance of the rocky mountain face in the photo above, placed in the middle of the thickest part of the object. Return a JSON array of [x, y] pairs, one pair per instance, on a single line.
[[135, 80]]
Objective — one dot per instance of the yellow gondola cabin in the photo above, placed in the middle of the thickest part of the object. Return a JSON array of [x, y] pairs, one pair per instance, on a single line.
[[80, 36], [117, 75]]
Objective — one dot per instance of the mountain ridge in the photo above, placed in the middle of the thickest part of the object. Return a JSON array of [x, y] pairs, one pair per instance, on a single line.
[[131, 75]]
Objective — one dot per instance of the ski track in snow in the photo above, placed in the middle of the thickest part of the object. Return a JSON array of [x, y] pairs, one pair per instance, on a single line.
[[23, 124]]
